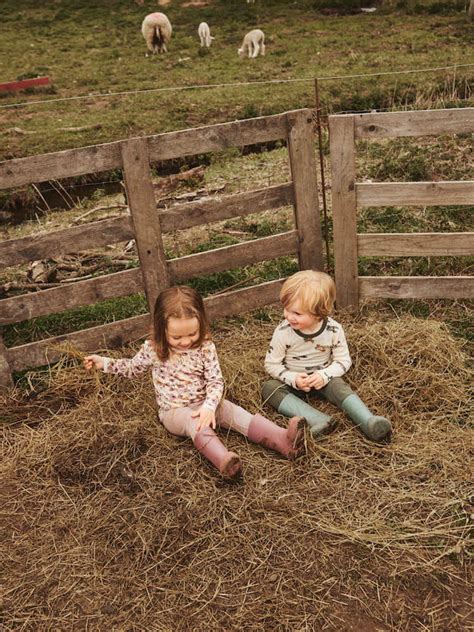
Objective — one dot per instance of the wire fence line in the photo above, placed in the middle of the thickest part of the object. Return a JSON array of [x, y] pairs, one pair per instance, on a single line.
[[235, 84]]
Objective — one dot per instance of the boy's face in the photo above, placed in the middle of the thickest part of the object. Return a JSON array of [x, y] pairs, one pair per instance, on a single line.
[[299, 318]]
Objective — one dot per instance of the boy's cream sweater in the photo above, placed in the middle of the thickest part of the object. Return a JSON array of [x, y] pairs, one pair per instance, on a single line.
[[324, 351]]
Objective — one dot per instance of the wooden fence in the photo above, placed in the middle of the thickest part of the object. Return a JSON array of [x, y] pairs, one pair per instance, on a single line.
[[146, 225], [348, 195]]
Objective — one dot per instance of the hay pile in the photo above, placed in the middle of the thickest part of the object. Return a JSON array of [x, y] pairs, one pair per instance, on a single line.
[[110, 523]]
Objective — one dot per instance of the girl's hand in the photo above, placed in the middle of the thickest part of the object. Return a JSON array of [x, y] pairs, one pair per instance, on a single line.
[[207, 417], [302, 382], [92, 361], [315, 380]]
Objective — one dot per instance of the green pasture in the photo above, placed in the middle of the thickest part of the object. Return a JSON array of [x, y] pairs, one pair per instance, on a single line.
[[89, 48]]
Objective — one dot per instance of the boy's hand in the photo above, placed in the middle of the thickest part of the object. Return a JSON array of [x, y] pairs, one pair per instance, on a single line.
[[301, 382], [93, 361], [207, 417], [315, 380]]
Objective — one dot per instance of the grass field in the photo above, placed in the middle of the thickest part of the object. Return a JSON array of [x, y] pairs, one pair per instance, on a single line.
[[90, 48]]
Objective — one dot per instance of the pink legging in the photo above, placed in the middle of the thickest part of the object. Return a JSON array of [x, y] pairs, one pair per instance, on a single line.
[[179, 422]]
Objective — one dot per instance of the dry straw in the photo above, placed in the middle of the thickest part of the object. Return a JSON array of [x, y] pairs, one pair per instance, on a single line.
[[110, 523]]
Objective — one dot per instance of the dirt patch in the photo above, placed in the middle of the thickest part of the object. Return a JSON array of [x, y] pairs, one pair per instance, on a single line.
[[112, 523]]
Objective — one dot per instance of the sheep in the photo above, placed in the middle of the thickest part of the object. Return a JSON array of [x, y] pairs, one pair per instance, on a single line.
[[204, 33], [253, 43], [156, 29]]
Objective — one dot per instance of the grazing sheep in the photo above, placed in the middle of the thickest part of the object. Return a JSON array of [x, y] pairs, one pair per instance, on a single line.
[[204, 33], [156, 29], [253, 43]]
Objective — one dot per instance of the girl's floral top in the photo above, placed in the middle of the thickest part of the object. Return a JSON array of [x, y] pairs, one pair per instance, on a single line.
[[186, 378]]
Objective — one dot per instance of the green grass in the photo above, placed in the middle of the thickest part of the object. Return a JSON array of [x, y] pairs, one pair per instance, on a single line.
[[70, 43]]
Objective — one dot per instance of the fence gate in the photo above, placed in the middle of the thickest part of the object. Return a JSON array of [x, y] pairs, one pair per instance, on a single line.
[[348, 195], [146, 224]]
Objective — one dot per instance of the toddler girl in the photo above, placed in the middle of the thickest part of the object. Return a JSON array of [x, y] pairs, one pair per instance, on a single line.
[[189, 385], [308, 354]]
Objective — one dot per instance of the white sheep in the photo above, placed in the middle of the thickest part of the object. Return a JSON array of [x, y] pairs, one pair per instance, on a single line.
[[253, 43], [204, 33], [156, 29]]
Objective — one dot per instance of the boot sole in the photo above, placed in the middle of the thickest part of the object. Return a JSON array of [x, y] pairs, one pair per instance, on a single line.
[[232, 466], [379, 429], [296, 436], [322, 431]]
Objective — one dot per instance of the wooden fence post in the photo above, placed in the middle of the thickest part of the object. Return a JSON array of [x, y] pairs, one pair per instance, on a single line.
[[145, 218], [303, 172], [344, 210], [6, 379]]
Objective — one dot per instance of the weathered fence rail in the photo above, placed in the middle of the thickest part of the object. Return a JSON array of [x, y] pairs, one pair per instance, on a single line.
[[147, 224], [349, 195]]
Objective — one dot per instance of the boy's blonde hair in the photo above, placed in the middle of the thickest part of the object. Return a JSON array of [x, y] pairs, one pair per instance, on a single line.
[[315, 290]]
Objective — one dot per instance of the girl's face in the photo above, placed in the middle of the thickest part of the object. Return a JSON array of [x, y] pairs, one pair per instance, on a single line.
[[182, 333], [299, 318]]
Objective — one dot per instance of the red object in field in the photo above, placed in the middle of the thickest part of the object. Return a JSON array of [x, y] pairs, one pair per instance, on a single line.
[[11, 86]]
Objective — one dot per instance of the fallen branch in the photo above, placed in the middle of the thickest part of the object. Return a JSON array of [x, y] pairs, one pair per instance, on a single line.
[[16, 285], [83, 128], [172, 181], [16, 130], [232, 287], [97, 208]]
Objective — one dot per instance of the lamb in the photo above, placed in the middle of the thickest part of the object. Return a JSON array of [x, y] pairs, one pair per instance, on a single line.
[[156, 29], [253, 43], [204, 33]]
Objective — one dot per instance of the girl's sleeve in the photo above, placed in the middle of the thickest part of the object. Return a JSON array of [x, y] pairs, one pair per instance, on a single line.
[[132, 367], [212, 376], [341, 359], [275, 359]]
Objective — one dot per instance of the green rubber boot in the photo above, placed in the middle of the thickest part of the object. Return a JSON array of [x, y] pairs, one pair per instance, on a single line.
[[374, 427], [319, 423]]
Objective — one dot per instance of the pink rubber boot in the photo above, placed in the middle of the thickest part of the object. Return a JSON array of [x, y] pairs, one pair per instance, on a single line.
[[288, 442], [209, 445]]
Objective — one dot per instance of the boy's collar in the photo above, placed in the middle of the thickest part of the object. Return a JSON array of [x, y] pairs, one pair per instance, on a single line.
[[313, 335]]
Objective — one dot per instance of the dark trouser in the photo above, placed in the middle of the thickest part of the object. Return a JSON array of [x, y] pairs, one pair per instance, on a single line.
[[335, 391], [292, 402]]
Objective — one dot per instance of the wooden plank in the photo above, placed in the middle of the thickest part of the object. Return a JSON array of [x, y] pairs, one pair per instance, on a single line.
[[415, 244], [58, 165], [111, 335], [90, 291], [235, 256], [210, 210], [303, 170], [77, 239], [415, 123], [415, 193], [23, 84], [108, 231], [342, 149], [6, 379], [217, 137], [107, 156], [241, 301], [119, 333], [70, 295], [145, 219], [457, 287]]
